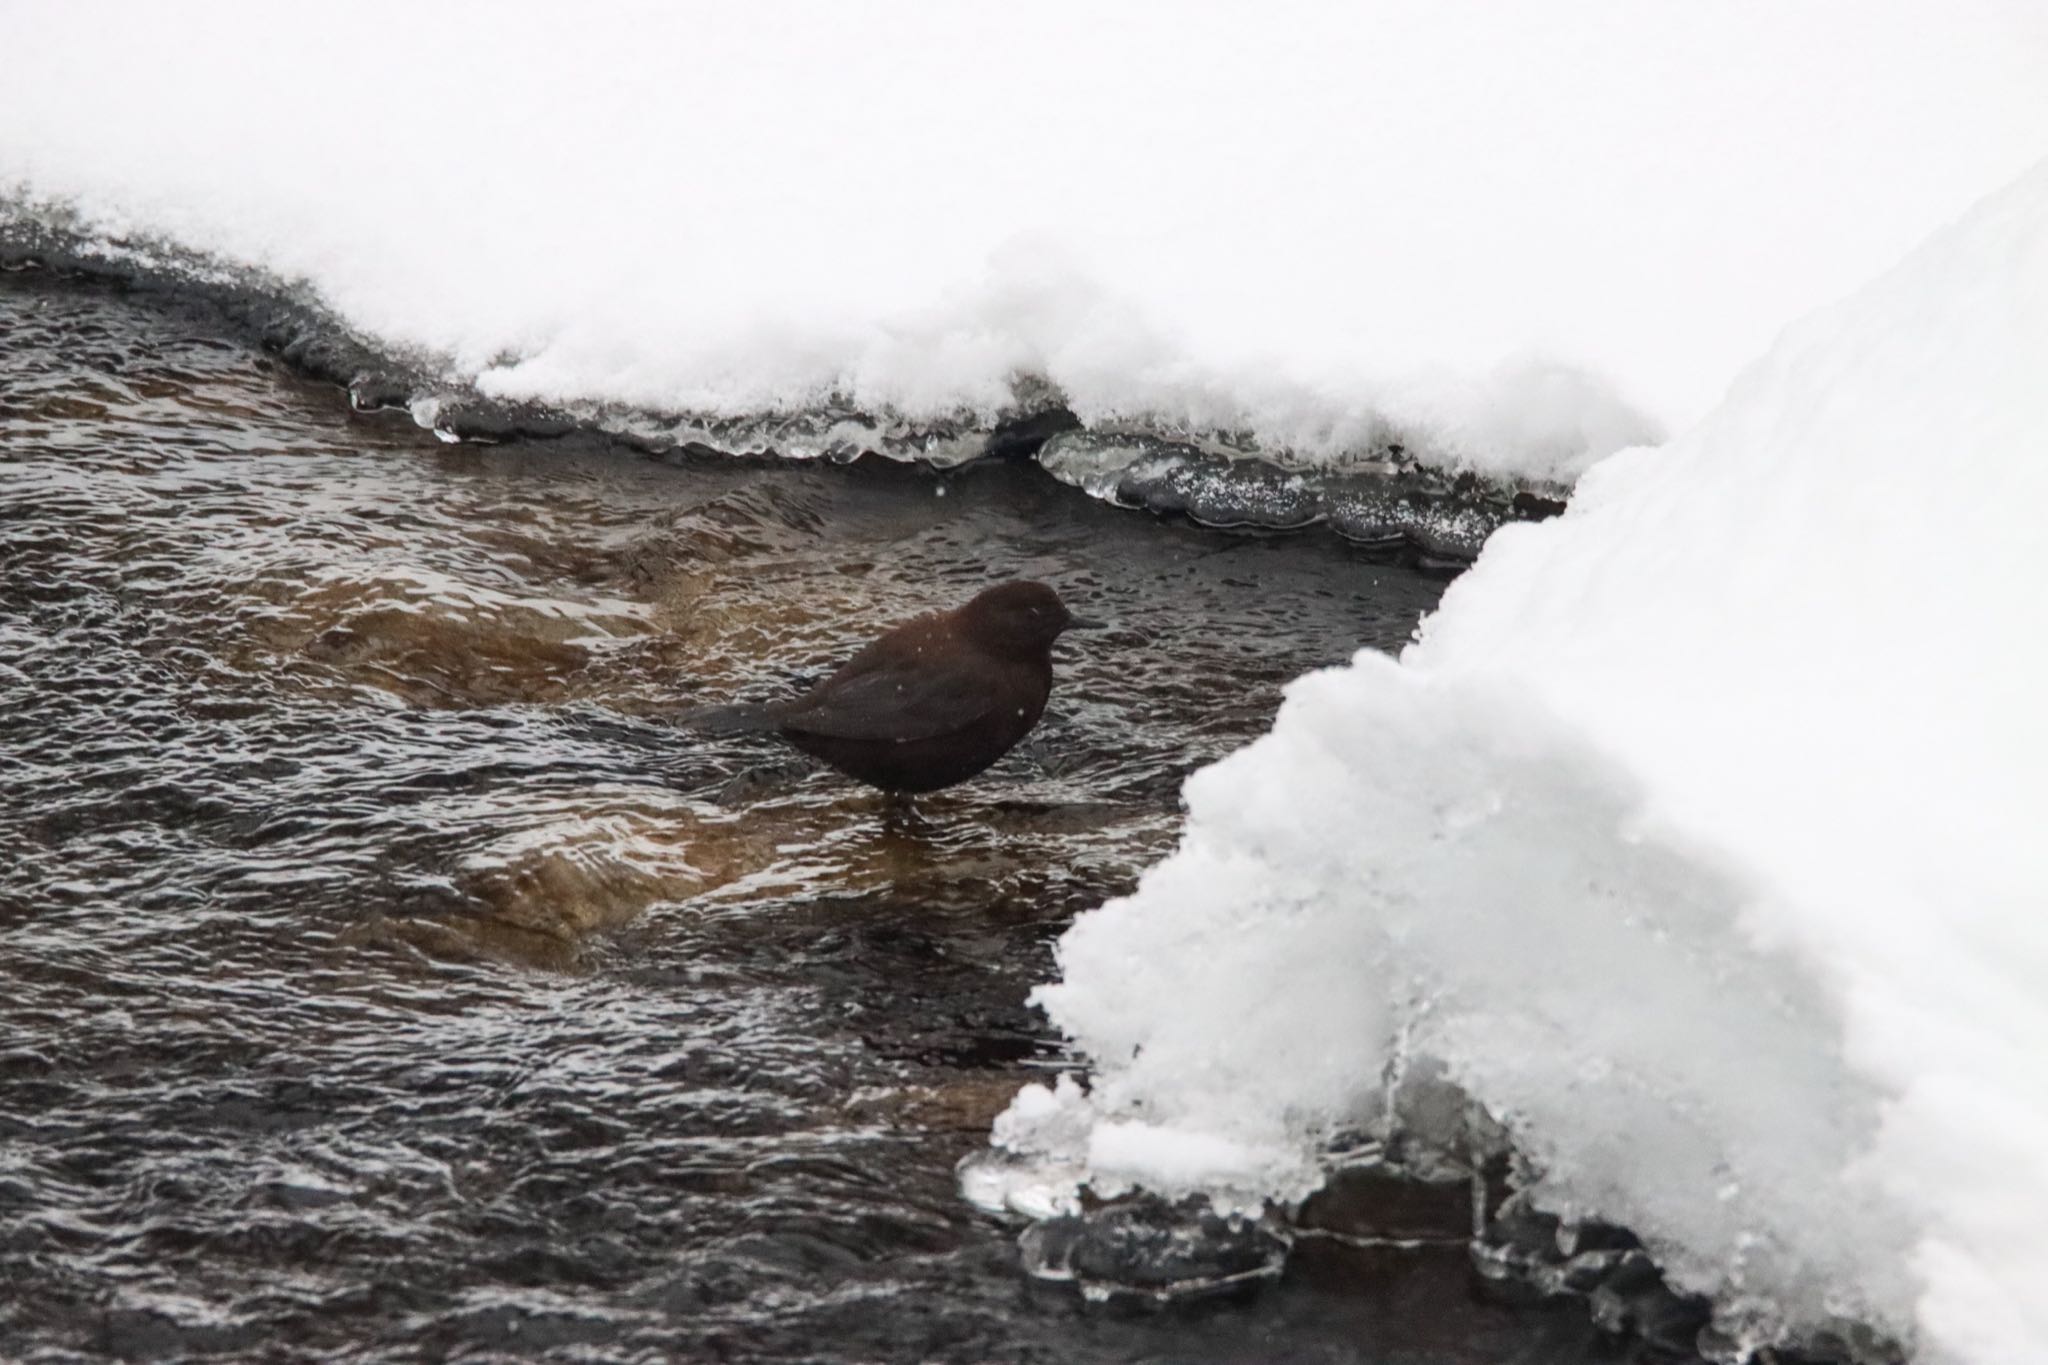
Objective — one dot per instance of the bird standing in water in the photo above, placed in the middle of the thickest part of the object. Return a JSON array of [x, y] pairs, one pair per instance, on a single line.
[[932, 702]]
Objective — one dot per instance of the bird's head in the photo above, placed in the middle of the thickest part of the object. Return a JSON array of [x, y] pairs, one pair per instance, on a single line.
[[1019, 620]]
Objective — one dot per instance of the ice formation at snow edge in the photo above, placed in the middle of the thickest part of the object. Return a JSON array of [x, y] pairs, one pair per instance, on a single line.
[[1698, 836]]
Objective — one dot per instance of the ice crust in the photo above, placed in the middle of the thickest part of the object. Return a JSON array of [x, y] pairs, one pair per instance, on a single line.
[[1512, 238], [1698, 838]]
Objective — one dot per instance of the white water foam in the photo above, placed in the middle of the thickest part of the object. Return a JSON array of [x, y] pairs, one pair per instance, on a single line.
[[1699, 838], [1514, 237]]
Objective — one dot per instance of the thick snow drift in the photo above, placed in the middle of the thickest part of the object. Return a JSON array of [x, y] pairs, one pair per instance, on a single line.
[[1513, 237], [1700, 837]]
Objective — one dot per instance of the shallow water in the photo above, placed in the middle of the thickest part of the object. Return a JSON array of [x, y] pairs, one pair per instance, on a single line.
[[382, 977]]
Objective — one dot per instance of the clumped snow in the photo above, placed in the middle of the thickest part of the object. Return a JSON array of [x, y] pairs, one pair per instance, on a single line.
[[1699, 838], [1512, 238]]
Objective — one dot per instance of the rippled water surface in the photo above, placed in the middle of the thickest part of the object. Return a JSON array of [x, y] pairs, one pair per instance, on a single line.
[[383, 977]]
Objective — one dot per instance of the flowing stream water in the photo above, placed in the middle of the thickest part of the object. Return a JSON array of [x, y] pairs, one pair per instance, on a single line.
[[384, 977]]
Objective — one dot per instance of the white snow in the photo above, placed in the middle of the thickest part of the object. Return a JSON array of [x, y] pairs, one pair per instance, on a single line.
[[1699, 837], [1521, 236]]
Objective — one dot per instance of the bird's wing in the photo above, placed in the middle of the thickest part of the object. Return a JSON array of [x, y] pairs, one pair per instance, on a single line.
[[901, 703]]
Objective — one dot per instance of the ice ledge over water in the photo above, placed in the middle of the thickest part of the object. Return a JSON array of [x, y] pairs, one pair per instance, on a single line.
[[1393, 501], [1698, 839]]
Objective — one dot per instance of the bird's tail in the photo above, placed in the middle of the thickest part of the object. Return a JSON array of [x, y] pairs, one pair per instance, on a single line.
[[742, 718]]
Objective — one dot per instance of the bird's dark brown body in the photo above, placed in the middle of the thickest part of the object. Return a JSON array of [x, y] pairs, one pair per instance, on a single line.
[[931, 703]]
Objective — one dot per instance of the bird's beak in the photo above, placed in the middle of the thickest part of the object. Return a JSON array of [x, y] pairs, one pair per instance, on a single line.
[[1085, 623]]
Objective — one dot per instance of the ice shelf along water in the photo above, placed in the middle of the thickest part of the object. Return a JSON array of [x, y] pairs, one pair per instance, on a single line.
[[1698, 837], [1509, 238]]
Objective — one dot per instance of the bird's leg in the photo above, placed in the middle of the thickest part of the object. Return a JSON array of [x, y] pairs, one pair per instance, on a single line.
[[900, 809]]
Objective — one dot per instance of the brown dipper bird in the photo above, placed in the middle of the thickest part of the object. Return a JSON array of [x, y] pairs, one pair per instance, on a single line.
[[930, 703]]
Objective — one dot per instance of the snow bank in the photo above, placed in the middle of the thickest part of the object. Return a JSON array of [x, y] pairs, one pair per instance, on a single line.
[[1514, 237], [1699, 837]]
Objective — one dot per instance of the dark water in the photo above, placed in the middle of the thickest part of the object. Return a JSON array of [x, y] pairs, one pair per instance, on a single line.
[[382, 979]]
